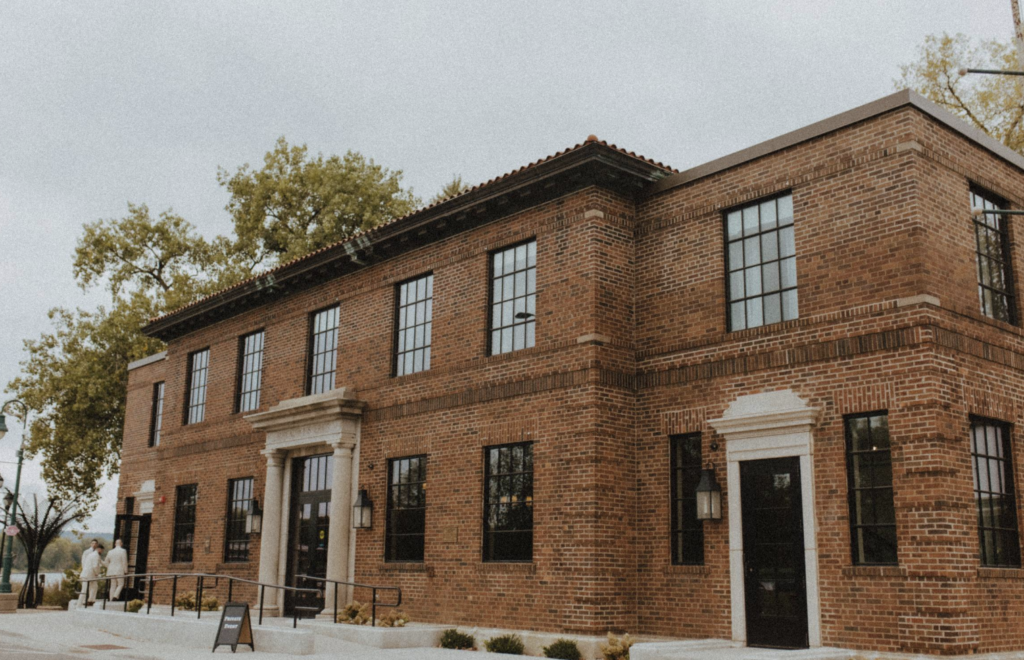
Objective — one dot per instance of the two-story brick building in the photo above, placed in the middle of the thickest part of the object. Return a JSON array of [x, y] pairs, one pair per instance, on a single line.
[[529, 380]]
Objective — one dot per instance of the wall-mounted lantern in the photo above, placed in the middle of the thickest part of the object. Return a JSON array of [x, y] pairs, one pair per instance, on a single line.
[[709, 496], [362, 511], [254, 519]]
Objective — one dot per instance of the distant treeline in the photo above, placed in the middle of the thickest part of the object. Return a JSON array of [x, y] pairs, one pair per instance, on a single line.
[[64, 552]]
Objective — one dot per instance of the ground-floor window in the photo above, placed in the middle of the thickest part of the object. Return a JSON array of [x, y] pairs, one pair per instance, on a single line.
[[407, 509], [236, 540], [508, 503], [184, 523], [994, 493], [869, 474], [687, 531]]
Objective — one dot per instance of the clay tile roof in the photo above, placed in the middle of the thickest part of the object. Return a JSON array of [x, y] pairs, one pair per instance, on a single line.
[[360, 234]]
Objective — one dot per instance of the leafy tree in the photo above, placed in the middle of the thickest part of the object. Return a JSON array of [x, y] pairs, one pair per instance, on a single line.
[[451, 189], [297, 203], [991, 103], [74, 377]]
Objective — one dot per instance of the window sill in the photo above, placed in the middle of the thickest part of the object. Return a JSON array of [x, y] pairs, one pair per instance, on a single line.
[[992, 573], [686, 569], [406, 567], [180, 564], [874, 571], [232, 566], [513, 568]]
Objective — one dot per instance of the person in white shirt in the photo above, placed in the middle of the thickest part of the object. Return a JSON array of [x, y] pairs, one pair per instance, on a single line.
[[117, 564], [91, 564], [91, 549]]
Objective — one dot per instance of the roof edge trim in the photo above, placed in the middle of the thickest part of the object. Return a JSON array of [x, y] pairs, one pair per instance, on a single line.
[[149, 359]]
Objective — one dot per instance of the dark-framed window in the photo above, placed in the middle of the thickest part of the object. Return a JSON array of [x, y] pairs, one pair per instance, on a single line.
[[323, 350], [413, 324], [687, 531], [869, 479], [250, 371], [508, 502], [992, 249], [184, 523], [761, 263], [513, 298], [236, 541], [407, 509], [198, 368], [994, 493], [156, 417]]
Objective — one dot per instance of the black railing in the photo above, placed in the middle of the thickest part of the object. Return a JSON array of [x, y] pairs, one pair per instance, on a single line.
[[201, 578], [373, 588]]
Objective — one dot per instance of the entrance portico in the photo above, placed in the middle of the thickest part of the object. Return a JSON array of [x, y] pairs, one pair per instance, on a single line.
[[319, 423]]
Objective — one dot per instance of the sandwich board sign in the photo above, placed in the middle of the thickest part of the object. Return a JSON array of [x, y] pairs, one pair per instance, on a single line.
[[235, 627]]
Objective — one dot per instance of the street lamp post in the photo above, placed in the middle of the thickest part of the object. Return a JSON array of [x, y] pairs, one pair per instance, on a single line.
[[5, 577]]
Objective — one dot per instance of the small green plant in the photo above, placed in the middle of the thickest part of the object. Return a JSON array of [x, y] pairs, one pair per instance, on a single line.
[[566, 649], [69, 586], [508, 644], [134, 605], [617, 648], [453, 639]]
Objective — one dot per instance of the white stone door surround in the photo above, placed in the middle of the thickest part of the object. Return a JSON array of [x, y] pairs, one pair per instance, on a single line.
[[319, 423], [770, 425]]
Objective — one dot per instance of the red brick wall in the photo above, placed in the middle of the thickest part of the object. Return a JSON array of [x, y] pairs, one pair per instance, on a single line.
[[631, 348]]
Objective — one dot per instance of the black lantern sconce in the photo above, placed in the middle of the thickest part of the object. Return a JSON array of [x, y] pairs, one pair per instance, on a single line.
[[362, 511], [709, 496], [254, 520]]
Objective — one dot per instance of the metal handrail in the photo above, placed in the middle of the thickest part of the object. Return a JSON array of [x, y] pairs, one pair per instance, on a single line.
[[373, 588], [200, 579]]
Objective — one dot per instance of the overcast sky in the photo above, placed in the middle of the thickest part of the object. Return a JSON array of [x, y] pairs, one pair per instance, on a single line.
[[106, 103]]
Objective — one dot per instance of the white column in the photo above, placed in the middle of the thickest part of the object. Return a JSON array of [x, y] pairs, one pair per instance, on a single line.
[[270, 536], [341, 525], [737, 579]]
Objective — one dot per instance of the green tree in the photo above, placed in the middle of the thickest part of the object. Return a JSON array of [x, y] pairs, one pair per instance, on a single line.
[[451, 189], [297, 203], [74, 377], [994, 104]]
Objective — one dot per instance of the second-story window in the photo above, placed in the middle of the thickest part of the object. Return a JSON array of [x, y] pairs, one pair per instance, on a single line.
[[198, 368], [869, 474], [761, 259], [250, 371], [156, 418], [323, 350], [513, 298], [992, 245], [413, 325]]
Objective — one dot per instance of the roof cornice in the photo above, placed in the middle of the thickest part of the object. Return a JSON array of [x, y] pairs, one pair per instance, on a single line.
[[903, 98]]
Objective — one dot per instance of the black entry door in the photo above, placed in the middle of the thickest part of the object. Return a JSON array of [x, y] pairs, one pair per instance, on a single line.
[[309, 526], [773, 553], [133, 531]]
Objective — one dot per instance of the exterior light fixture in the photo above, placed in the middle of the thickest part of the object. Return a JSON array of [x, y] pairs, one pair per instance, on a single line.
[[709, 496], [362, 511], [254, 520]]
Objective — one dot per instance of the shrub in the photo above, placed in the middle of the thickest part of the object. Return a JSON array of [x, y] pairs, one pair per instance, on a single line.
[[55, 595], [187, 601], [70, 585], [617, 648], [453, 639], [508, 644], [393, 619], [135, 605], [566, 649], [356, 613]]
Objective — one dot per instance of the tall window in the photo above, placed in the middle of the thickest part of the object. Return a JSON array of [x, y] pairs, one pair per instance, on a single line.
[[513, 298], [156, 418], [199, 365], [413, 325], [869, 475], [323, 350], [250, 371], [995, 281], [687, 531], [184, 523], [407, 508], [236, 541], [761, 256], [994, 493], [508, 503]]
